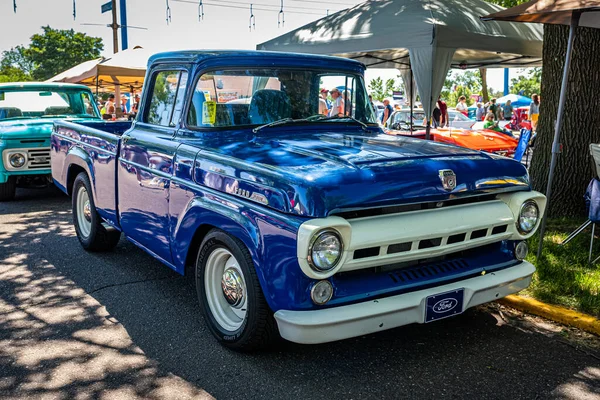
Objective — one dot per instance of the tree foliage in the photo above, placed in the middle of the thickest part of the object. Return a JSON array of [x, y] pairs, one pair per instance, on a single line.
[[527, 85], [461, 84], [49, 53], [380, 90]]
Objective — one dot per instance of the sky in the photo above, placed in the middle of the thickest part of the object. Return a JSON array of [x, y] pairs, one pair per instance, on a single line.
[[225, 24]]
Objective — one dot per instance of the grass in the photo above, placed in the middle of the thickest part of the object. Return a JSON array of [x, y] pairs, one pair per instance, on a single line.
[[563, 275]]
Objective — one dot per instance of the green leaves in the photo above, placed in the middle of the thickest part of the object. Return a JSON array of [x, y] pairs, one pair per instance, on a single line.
[[49, 53], [529, 84]]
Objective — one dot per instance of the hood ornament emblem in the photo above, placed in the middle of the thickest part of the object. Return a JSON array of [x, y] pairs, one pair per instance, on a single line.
[[448, 178]]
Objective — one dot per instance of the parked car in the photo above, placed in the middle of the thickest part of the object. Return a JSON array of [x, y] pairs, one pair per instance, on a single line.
[[480, 139], [27, 112], [457, 119], [294, 224]]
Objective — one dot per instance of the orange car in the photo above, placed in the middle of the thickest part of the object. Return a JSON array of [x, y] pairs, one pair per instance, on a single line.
[[476, 139], [484, 140]]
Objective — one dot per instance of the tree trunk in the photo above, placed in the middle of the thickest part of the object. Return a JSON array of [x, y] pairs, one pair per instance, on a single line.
[[581, 120], [484, 88]]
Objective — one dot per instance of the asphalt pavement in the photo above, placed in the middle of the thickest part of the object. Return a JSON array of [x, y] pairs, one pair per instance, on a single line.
[[121, 325]]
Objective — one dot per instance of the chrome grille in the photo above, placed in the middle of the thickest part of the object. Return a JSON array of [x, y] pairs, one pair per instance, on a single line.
[[38, 158]]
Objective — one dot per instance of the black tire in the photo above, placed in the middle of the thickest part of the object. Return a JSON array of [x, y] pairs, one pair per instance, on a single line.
[[99, 238], [8, 189], [258, 330]]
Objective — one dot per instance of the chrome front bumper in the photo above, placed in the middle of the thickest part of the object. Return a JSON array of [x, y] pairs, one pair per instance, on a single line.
[[336, 323]]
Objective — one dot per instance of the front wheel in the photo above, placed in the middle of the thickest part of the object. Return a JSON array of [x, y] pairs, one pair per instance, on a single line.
[[230, 295], [8, 189], [92, 235]]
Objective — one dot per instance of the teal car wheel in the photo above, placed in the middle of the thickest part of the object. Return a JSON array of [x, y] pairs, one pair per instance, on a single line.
[[8, 189]]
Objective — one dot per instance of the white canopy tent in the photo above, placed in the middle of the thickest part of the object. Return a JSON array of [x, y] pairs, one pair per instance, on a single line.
[[126, 69], [426, 37]]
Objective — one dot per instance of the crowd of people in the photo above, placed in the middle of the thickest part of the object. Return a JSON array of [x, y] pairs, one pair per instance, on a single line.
[[340, 103], [128, 108]]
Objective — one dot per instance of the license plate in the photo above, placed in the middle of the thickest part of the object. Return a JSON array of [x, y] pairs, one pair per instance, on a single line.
[[444, 305]]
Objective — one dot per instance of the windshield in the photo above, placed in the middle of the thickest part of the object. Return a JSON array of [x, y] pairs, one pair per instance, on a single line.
[[402, 118], [36, 103], [458, 116], [264, 95]]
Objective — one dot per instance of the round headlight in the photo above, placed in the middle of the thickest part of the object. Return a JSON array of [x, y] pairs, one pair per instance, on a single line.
[[325, 251], [17, 160], [528, 217]]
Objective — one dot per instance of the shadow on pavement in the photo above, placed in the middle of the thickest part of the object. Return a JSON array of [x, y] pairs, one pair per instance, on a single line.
[[86, 324]]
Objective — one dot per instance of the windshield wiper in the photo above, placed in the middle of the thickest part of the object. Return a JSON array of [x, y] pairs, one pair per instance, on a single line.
[[312, 118], [287, 121]]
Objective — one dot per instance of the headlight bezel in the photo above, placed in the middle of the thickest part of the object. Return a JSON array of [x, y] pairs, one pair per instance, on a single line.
[[525, 204], [18, 154], [312, 243]]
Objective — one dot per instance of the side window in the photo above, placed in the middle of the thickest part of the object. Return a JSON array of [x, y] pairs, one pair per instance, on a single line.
[[167, 98]]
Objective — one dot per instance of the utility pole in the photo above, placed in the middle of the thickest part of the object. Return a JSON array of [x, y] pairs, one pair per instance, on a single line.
[[123, 11], [115, 29]]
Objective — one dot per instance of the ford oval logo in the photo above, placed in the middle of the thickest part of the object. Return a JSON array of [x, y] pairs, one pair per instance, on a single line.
[[445, 305]]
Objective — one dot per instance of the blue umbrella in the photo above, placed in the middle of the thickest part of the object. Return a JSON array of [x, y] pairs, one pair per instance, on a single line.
[[515, 100]]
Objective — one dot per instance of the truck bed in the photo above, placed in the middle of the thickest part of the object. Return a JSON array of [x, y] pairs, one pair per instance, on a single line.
[[93, 147]]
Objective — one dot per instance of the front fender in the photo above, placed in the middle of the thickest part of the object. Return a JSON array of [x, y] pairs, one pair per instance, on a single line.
[[269, 236]]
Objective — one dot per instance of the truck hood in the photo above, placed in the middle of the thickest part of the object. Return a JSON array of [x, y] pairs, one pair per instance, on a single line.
[[318, 174], [39, 128]]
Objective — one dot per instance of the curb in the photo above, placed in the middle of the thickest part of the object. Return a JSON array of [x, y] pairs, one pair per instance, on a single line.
[[555, 313]]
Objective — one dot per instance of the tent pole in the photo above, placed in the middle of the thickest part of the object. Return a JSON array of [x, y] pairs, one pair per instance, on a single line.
[[411, 100], [559, 120]]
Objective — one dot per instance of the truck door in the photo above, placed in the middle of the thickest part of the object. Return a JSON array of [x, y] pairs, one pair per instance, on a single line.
[[146, 163]]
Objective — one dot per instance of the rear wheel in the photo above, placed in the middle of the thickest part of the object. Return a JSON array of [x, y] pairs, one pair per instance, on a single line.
[[230, 294], [8, 189], [92, 235]]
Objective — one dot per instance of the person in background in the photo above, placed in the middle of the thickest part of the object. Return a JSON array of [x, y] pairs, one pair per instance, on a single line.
[[110, 108], [445, 121], [480, 113], [534, 110], [436, 115], [373, 106], [348, 102], [110, 104], [493, 108], [462, 107], [507, 110], [124, 100], [324, 93], [337, 107], [493, 125], [387, 111], [323, 106]]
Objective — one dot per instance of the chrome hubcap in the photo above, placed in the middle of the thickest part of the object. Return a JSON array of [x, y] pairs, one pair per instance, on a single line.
[[84, 212], [87, 211], [233, 287], [225, 289]]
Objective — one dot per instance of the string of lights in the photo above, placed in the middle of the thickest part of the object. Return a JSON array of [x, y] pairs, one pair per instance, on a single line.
[[246, 5]]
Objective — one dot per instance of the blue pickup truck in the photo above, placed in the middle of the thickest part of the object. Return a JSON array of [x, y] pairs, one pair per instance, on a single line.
[[27, 113], [295, 221]]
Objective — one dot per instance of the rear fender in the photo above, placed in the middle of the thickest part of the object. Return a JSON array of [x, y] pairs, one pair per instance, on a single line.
[[77, 156]]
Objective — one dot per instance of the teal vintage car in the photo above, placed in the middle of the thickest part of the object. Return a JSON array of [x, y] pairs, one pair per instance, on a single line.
[[27, 114]]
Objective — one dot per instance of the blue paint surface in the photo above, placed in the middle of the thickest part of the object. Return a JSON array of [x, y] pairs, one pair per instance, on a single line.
[[164, 186]]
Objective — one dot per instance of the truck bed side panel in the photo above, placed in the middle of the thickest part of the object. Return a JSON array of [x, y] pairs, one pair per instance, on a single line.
[[93, 150]]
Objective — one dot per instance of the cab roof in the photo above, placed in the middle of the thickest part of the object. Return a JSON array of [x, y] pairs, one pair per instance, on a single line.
[[42, 85], [242, 56]]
